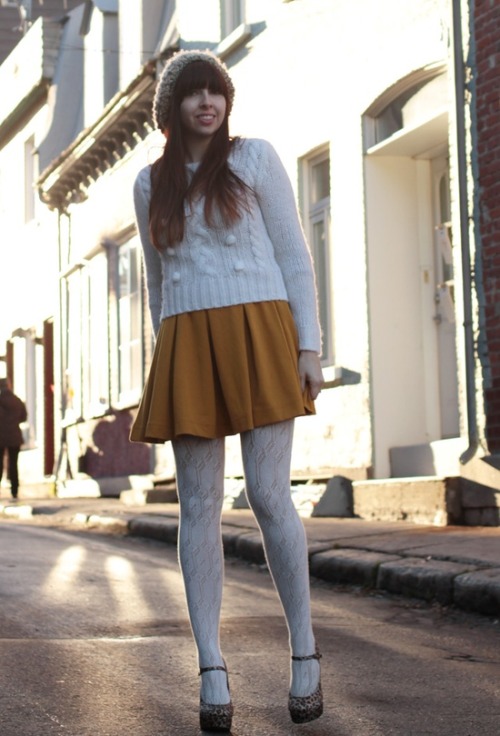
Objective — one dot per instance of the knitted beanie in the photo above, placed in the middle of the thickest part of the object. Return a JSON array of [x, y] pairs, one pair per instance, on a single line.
[[170, 74]]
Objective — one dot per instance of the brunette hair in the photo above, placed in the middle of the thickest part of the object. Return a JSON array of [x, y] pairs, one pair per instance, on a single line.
[[214, 178]]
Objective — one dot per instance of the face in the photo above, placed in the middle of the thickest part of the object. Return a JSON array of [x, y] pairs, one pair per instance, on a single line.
[[202, 113]]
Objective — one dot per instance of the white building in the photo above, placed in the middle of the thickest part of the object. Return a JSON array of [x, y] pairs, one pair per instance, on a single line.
[[359, 100]]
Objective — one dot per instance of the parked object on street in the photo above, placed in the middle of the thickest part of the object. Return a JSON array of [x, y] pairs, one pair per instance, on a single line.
[[12, 414]]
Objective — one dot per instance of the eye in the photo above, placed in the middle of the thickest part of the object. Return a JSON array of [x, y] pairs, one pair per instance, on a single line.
[[193, 93]]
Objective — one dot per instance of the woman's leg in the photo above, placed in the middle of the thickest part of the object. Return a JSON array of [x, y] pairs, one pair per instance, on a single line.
[[266, 458], [200, 484]]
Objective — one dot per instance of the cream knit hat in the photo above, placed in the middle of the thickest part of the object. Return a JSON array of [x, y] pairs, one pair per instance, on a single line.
[[170, 74]]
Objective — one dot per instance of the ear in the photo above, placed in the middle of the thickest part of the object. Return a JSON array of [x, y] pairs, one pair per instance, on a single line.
[[164, 133]]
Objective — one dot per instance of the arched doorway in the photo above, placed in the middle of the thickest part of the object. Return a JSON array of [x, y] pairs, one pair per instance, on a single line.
[[414, 390]]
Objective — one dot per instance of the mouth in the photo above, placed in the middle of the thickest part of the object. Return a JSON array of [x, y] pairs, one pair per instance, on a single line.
[[206, 119]]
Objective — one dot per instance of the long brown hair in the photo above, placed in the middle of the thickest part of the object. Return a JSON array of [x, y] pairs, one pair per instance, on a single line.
[[171, 189]]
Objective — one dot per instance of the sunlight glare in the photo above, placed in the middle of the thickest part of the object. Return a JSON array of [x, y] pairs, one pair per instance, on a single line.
[[125, 588], [62, 576]]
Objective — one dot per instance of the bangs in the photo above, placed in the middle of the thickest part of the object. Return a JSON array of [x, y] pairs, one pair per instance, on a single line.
[[200, 75]]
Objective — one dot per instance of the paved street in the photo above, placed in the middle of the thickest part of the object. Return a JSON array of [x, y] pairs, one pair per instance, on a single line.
[[94, 640]]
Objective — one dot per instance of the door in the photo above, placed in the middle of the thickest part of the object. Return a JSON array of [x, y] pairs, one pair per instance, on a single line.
[[444, 300]]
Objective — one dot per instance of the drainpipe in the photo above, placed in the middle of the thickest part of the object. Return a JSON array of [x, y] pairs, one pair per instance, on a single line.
[[470, 383]]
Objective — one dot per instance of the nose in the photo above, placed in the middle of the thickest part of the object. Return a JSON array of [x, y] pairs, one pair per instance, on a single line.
[[205, 97]]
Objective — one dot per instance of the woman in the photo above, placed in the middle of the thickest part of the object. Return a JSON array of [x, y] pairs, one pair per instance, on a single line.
[[233, 304]]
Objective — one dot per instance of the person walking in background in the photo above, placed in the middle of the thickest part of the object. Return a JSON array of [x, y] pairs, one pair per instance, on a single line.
[[234, 308], [12, 414]]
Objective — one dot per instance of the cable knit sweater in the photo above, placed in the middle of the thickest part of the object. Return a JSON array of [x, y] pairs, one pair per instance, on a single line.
[[262, 257]]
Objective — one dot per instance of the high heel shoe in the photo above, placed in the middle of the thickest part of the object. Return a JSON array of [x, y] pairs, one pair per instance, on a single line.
[[215, 716], [309, 707]]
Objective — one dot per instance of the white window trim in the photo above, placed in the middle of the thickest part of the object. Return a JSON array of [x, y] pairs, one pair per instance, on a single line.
[[94, 408], [131, 397], [234, 40], [311, 214]]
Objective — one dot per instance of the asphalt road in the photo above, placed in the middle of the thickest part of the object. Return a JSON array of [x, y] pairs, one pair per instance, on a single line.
[[94, 641]]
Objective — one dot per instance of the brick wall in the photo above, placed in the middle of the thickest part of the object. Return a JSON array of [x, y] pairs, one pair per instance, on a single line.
[[487, 44]]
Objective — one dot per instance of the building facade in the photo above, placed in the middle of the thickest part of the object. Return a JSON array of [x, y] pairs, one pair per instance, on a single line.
[[385, 127]]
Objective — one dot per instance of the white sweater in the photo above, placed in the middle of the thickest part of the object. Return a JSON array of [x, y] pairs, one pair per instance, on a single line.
[[262, 257]]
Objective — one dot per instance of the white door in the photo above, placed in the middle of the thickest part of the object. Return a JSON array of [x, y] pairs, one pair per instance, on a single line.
[[444, 312]]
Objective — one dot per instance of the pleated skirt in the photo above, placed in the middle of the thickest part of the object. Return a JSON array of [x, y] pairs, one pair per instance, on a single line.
[[219, 372]]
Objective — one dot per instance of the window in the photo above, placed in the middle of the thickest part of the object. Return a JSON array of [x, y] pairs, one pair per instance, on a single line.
[[129, 322], [232, 15], [85, 345], [409, 103], [29, 179], [316, 204], [73, 408], [102, 337], [96, 372]]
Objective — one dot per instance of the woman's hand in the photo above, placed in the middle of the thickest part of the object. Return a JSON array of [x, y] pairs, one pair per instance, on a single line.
[[311, 375]]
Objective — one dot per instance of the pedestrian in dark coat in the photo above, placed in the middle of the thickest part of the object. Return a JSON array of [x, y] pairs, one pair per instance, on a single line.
[[12, 414]]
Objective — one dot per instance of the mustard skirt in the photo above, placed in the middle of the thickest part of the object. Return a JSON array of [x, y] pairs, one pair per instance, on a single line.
[[219, 372]]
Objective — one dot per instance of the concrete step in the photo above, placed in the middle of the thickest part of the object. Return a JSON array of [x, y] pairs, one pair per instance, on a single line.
[[111, 487], [146, 496], [37, 489], [421, 500], [481, 491], [439, 458]]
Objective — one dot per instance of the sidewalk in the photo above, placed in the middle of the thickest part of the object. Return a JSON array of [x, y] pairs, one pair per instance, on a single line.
[[457, 566]]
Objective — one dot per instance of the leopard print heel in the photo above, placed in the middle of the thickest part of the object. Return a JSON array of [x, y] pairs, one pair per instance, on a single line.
[[309, 707], [215, 716]]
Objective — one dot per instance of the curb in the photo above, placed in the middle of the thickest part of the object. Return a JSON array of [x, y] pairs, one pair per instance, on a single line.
[[465, 586], [468, 586]]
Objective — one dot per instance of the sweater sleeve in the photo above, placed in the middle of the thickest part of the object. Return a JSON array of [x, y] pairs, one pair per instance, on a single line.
[[152, 260], [279, 210]]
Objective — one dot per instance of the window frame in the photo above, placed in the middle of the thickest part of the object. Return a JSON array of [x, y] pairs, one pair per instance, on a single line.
[[234, 32], [78, 345], [232, 16], [131, 394], [72, 409], [80, 400], [95, 374], [30, 176], [314, 213]]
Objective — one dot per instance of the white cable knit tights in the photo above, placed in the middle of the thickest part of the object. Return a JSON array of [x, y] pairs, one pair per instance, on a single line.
[[200, 479]]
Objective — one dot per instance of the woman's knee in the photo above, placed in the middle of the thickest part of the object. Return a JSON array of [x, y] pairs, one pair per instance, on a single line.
[[202, 506]]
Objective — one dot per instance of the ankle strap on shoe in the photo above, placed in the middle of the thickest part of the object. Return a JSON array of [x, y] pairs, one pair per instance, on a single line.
[[316, 655], [211, 669]]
